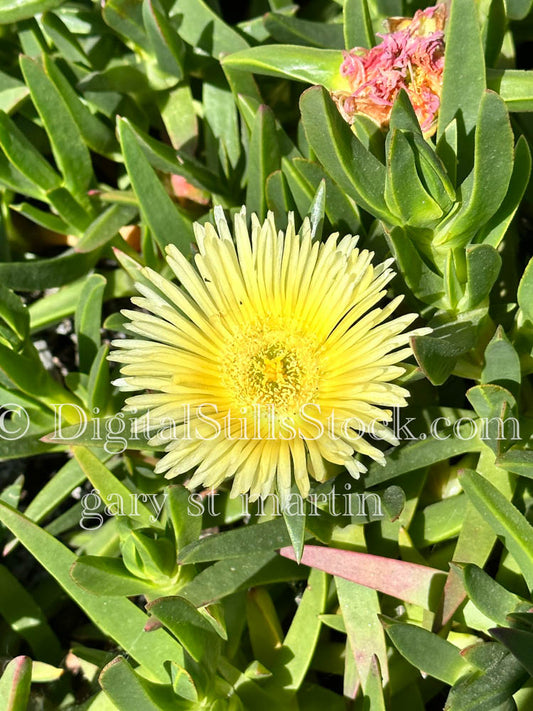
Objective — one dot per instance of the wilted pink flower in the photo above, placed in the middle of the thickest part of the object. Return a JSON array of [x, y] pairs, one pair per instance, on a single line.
[[410, 57]]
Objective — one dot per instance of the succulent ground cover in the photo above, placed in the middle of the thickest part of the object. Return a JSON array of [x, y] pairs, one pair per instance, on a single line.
[[266, 348]]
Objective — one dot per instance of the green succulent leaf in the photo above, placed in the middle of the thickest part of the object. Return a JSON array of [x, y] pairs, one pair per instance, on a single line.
[[518, 9], [354, 169], [193, 630], [12, 92], [167, 223], [112, 490], [14, 313], [365, 640], [292, 30], [264, 627], [109, 577], [167, 45], [304, 178], [486, 186], [164, 158], [464, 71], [503, 676], [88, 319], [295, 522], [125, 17], [425, 283], [201, 27], [525, 292], [16, 10], [506, 521], [24, 615], [418, 454], [426, 651], [306, 64], [519, 643], [70, 152], [492, 599], [25, 157], [517, 460], [123, 621], [294, 656], [64, 40], [244, 541], [278, 196], [515, 86], [106, 226], [358, 31], [127, 690], [405, 193], [97, 134], [263, 159], [15, 685], [493, 31], [483, 265], [439, 521], [227, 576], [502, 364]]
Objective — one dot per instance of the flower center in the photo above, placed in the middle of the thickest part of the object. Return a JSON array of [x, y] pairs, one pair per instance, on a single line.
[[268, 365]]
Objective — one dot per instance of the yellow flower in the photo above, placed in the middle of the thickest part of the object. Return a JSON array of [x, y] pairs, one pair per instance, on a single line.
[[270, 359]]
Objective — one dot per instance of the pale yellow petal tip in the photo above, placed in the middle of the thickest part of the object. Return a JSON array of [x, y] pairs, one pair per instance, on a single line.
[[422, 331], [272, 320]]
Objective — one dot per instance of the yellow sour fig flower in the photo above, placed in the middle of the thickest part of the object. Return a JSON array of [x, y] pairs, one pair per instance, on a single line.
[[269, 358]]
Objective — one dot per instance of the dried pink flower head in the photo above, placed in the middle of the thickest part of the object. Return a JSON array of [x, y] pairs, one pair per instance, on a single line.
[[410, 57]]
